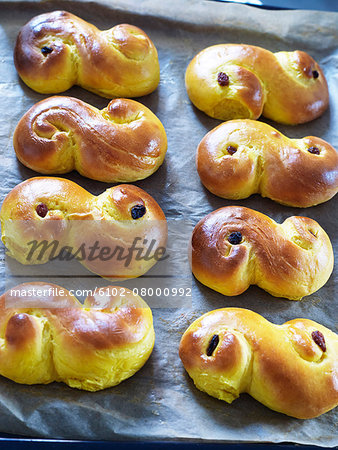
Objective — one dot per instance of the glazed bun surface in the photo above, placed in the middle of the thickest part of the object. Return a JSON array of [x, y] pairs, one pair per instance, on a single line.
[[290, 368], [58, 210], [124, 142], [236, 81], [55, 338], [56, 50], [234, 247], [243, 157]]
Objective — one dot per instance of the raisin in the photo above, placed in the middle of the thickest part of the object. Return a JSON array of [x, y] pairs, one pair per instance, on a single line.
[[138, 211], [223, 79], [231, 149], [319, 339], [235, 238], [315, 74], [46, 50], [314, 150], [212, 344], [42, 210]]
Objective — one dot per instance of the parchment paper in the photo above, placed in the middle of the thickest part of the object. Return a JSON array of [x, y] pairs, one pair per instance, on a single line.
[[160, 402]]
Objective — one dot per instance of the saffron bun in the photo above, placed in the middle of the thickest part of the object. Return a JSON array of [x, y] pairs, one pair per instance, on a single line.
[[237, 81], [124, 142], [56, 50], [290, 368], [53, 337], [243, 157], [234, 247], [58, 210]]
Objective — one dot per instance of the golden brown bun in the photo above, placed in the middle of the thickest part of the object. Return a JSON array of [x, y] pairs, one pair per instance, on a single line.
[[123, 142], [234, 247], [234, 350], [235, 81], [56, 50], [73, 217], [243, 157], [49, 336]]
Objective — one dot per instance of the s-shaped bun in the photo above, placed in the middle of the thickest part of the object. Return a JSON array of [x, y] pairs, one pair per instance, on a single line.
[[42, 217], [123, 142], [234, 247], [56, 50], [290, 368], [243, 157], [48, 335], [236, 81]]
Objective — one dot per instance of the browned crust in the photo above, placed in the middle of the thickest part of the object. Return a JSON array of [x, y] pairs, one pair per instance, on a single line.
[[72, 201], [279, 377], [20, 330], [291, 94], [226, 356], [290, 260], [120, 62], [75, 218], [268, 163], [124, 320], [123, 142]]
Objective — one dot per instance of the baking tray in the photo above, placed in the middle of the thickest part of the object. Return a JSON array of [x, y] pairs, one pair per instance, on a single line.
[[160, 402]]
